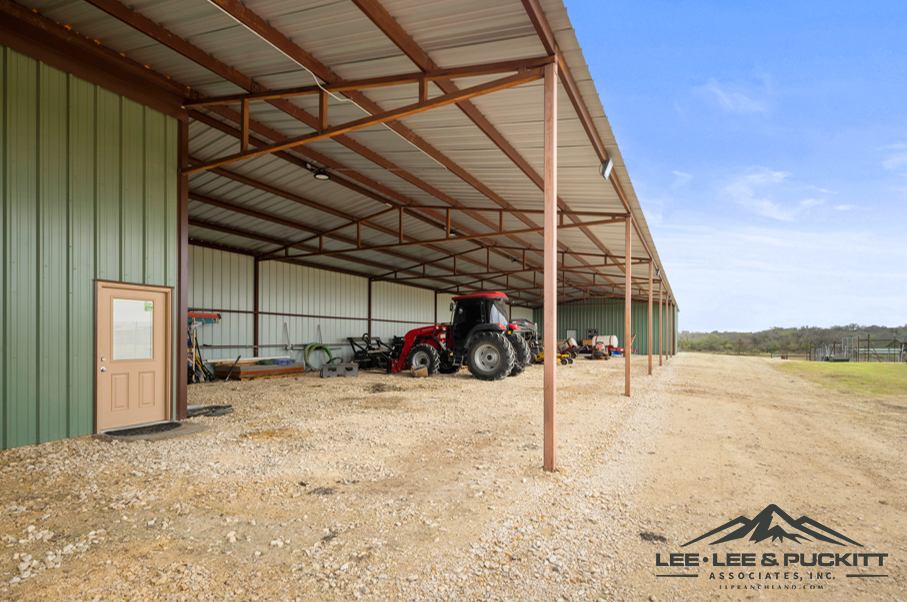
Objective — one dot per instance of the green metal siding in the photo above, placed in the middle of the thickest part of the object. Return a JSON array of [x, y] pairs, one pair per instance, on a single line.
[[608, 316], [87, 190]]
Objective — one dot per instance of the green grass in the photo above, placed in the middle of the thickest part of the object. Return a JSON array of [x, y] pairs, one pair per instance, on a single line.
[[866, 378]]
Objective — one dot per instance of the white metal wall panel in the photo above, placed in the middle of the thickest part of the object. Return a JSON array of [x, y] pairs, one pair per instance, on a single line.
[[222, 281], [521, 313], [397, 308], [304, 299], [444, 301]]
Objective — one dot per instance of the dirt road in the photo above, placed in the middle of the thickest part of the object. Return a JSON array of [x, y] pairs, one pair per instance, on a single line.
[[393, 488]]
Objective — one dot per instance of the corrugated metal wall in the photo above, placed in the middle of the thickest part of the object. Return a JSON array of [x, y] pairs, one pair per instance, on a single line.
[[607, 316], [310, 298], [521, 313], [87, 190], [223, 281], [397, 308]]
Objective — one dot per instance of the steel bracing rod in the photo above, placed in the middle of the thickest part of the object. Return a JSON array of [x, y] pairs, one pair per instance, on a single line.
[[375, 119], [202, 58], [572, 270], [167, 38], [431, 217], [307, 228], [395, 32], [427, 218], [377, 82], [276, 39], [411, 209], [454, 239], [290, 224]]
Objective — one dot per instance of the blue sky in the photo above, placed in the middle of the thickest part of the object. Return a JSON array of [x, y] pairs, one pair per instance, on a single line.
[[767, 143]]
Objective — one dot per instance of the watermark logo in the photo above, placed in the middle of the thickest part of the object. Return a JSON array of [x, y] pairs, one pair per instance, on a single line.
[[792, 569], [776, 524]]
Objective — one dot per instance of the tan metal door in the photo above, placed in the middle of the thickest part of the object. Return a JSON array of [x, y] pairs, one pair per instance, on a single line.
[[133, 351]]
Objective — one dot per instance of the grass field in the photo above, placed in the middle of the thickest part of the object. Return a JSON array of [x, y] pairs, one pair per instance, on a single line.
[[867, 378]]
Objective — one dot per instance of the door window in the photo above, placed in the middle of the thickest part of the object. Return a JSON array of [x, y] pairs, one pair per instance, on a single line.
[[133, 329]]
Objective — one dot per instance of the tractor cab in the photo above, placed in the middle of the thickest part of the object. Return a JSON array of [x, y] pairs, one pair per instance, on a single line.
[[474, 312]]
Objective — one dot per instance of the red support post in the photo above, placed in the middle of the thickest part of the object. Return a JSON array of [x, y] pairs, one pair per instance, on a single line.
[[628, 304], [550, 269]]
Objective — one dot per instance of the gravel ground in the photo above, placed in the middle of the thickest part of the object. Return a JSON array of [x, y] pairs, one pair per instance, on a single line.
[[387, 487]]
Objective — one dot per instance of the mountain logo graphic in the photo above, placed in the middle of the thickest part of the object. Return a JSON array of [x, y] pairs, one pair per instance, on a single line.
[[775, 524]]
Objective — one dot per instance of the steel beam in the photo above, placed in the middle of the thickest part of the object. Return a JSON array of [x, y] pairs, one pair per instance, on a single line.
[[395, 32], [182, 272], [661, 323], [281, 42], [649, 329], [255, 23], [376, 82], [375, 119], [451, 239], [628, 306], [550, 274]]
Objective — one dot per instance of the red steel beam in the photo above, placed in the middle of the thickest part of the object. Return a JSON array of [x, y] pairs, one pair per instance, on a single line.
[[395, 32], [375, 119], [628, 307], [550, 273], [376, 82], [546, 36], [451, 239], [167, 38], [279, 41]]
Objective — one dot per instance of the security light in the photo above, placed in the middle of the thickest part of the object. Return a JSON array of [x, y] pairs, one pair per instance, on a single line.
[[606, 168], [322, 174]]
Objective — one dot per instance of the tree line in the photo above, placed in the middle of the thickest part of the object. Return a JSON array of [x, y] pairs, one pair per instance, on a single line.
[[782, 340]]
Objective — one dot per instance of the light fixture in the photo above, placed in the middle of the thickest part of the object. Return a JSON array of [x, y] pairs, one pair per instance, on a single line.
[[606, 168], [322, 174]]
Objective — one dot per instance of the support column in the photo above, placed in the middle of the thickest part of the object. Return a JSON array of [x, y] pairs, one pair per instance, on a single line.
[[628, 304], [256, 308], [649, 329], [550, 269], [182, 274], [661, 323], [370, 307]]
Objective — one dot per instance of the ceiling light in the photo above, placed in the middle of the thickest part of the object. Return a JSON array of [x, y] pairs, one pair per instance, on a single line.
[[322, 174], [606, 168]]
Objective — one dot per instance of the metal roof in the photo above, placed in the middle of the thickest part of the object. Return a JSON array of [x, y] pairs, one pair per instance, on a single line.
[[436, 159]]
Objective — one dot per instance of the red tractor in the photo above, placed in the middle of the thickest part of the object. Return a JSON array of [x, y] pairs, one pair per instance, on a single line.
[[480, 335]]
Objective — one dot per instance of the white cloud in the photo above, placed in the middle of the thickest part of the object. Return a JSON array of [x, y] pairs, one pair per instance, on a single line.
[[759, 191], [680, 179], [731, 276], [739, 97], [844, 207], [895, 161]]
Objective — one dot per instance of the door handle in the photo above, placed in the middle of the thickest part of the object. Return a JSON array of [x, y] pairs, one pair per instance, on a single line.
[[103, 368]]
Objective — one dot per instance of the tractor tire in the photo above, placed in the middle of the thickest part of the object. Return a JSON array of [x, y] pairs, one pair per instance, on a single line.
[[424, 355], [523, 357], [491, 356]]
